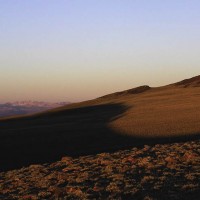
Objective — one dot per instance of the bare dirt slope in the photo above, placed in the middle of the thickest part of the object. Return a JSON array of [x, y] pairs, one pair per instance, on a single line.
[[138, 116]]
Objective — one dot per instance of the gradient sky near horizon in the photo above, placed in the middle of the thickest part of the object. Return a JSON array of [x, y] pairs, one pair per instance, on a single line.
[[74, 50]]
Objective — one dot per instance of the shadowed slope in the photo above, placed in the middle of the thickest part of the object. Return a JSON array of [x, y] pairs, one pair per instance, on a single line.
[[48, 137]]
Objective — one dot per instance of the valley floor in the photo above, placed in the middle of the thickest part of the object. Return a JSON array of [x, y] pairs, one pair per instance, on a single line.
[[162, 171]]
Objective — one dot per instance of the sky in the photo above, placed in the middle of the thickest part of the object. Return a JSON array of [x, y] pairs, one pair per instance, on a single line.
[[75, 50]]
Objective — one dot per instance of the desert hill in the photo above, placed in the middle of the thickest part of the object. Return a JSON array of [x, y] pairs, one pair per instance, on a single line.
[[134, 117]]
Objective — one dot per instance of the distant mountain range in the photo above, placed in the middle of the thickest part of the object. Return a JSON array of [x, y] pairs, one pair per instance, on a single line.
[[27, 107]]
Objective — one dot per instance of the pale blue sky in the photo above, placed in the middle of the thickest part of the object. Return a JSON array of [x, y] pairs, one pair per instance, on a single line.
[[76, 50]]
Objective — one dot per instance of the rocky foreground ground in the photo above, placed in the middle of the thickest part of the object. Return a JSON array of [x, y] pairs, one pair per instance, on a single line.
[[162, 171]]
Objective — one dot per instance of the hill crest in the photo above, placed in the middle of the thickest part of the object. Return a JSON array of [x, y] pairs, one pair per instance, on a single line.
[[190, 82], [136, 90]]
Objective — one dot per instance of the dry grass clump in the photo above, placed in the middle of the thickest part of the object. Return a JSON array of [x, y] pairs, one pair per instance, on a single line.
[[85, 178]]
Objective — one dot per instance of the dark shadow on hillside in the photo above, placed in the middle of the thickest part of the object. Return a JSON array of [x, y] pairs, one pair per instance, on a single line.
[[74, 132]]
